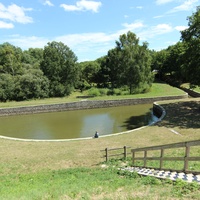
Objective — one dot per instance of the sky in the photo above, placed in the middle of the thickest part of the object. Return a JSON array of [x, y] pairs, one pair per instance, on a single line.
[[90, 28]]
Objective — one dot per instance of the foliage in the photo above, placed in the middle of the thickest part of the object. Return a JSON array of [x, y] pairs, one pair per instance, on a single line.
[[89, 70], [10, 59], [33, 57], [59, 66], [128, 64], [31, 85], [182, 188], [7, 87], [20, 78], [94, 92], [192, 56]]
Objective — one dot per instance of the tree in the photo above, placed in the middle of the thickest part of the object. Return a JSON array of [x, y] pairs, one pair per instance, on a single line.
[[192, 56], [59, 66], [89, 71], [102, 77], [114, 67], [134, 63], [32, 84], [33, 56], [7, 86], [10, 59]]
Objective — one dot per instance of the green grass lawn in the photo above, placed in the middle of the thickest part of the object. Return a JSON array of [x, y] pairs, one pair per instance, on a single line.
[[76, 170], [93, 183], [187, 85]]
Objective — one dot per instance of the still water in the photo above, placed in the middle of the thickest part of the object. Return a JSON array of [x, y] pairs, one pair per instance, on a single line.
[[76, 124]]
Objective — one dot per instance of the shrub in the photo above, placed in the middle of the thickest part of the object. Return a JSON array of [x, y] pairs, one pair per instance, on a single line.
[[94, 92], [103, 91]]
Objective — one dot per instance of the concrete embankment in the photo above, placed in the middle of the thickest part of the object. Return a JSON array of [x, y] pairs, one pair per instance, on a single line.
[[83, 104]]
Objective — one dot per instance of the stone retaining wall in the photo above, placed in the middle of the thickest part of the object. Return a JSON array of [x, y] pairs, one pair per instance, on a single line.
[[84, 104], [192, 93], [158, 111]]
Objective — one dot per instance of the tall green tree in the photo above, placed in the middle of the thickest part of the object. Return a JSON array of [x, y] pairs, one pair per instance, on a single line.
[[102, 77], [174, 62], [192, 56], [59, 66], [114, 68], [135, 63]]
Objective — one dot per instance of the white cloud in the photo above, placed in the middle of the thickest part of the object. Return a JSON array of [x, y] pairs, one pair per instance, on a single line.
[[158, 16], [181, 28], [6, 25], [100, 42], [139, 7], [26, 42], [185, 6], [160, 2], [15, 13], [154, 31], [48, 3], [133, 26], [83, 5]]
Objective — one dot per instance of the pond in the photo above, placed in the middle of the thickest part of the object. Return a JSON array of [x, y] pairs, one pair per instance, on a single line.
[[76, 124]]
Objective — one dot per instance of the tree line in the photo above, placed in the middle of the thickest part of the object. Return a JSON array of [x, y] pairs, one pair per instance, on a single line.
[[181, 62], [53, 71]]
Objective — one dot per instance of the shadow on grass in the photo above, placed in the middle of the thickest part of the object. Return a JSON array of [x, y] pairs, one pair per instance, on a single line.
[[182, 114]]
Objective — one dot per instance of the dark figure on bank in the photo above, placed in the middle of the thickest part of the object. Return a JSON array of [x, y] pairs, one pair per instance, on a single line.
[[96, 135]]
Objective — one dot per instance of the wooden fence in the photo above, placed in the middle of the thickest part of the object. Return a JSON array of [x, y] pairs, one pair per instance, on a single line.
[[116, 152], [185, 158]]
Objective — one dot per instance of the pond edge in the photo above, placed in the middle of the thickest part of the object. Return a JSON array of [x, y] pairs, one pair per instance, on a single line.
[[158, 110]]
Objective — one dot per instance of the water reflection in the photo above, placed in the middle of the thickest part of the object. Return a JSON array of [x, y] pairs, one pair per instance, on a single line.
[[76, 124]]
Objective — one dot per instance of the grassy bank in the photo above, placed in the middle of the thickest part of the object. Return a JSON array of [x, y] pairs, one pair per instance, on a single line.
[[73, 169], [187, 86], [85, 183], [157, 90]]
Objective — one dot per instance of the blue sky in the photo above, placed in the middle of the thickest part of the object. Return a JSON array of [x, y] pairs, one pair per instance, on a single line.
[[91, 27]]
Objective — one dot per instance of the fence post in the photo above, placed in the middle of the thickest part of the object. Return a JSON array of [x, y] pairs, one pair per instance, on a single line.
[[161, 158], [125, 152], [145, 160], [187, 154], [106, 154]]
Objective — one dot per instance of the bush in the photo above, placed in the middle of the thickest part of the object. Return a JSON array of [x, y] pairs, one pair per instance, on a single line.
[[115, 91], [94, 92], [103, 91]]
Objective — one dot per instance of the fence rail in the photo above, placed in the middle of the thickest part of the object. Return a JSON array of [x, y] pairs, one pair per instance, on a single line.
[[185, 159], [122, 151]]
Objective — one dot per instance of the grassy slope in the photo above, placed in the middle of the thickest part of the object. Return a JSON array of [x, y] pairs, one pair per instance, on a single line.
[[52, 170], [158, 89], [187, 85]]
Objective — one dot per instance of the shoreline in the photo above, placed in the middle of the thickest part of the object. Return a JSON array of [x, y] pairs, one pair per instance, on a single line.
[[158, 110]]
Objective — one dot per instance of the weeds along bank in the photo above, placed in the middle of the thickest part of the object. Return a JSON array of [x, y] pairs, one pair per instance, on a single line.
[[83, 104]]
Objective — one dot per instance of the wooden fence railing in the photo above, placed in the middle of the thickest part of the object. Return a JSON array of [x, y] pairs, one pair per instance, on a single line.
[[116, 152], [161, 158]]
